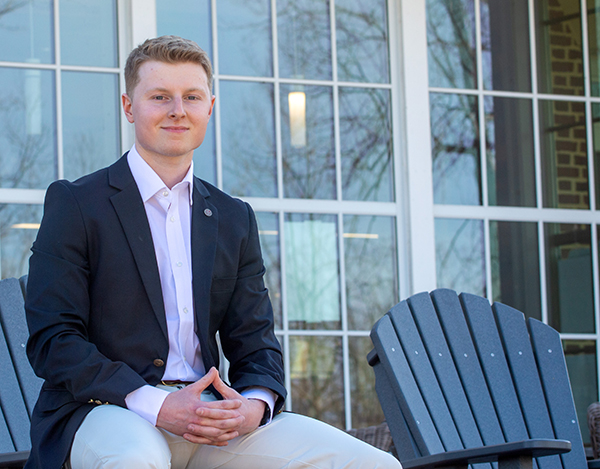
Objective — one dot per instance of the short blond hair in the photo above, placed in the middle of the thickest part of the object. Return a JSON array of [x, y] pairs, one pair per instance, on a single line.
[[167, 49]]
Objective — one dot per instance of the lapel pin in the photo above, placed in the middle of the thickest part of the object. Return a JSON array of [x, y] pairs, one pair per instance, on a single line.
[[208, 212]]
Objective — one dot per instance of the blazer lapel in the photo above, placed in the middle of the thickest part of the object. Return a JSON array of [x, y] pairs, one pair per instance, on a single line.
[[130, 209], [205, 227]]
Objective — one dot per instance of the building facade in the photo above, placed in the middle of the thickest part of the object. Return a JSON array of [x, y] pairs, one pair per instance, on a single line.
[[387, 147]]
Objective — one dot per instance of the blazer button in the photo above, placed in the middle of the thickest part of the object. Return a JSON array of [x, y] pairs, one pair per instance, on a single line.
[[158, 362]]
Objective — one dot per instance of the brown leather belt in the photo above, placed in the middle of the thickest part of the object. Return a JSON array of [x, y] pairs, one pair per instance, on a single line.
[[176, 383]]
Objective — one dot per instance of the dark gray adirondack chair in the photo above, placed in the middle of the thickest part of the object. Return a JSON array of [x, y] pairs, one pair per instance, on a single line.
[[19, 386], [461, 382]]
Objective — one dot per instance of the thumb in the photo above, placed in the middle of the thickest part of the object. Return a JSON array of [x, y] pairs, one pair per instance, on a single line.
[[206, 380], [224, 390]]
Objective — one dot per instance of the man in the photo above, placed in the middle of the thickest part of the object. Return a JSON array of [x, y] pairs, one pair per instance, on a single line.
[[134, 271]]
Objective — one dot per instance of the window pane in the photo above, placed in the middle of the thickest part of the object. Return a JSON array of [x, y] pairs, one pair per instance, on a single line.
[[304, 38], [248, 139], [455, 147], [27, 128], [451, 43], [90, 122], [366, 144], [596, 149], [268, 230], [510, 154], [186, 18], [205, 156], [362, 41], [366, 410], [307, 142], [370, 263], [559, 47], [88, 32], [564, 154], [317, 378], [516, 266], [593, 24], [580, 356], [18, 229], [505, 45], [244, 30], [460, 255], [312, 272], [569, 277], [28, 27]]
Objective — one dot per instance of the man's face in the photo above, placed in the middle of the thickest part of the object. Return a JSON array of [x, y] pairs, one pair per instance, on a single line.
[[170, 106]]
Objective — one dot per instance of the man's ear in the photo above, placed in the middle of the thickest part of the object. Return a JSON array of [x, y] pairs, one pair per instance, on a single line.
[[212, 105], [127, 104]]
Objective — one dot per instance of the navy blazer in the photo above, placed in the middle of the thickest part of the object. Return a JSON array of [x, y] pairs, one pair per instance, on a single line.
[[95, 309]]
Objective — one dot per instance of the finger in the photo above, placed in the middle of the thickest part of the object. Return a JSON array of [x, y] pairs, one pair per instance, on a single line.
[[213, 428], [218, 439], [219, 414], [205, 441], [224, 390], [231, 405], [205, 381]]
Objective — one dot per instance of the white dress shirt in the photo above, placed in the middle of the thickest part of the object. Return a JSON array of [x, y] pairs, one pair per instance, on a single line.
[[169, 213]]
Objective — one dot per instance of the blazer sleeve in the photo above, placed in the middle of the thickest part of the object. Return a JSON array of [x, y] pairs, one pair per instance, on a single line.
[[58, 308], [247, 333]]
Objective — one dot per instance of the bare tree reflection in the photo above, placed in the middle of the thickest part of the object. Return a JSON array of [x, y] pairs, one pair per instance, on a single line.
[[309, 170], [18, 225], [248, 136], [366, 144], [366, 410], [316, 374], [451, 43], [8, 6]]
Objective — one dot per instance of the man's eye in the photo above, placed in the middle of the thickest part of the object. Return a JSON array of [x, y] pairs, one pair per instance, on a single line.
[[159, 98], [193, 98]]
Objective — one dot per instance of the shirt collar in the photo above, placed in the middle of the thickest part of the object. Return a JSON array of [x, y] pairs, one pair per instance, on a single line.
[[148, 182]]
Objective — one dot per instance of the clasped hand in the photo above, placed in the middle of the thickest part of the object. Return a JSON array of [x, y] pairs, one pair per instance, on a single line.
[[211, 423]]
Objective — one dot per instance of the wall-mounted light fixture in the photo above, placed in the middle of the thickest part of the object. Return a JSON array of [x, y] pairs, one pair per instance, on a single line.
[[297, 104]]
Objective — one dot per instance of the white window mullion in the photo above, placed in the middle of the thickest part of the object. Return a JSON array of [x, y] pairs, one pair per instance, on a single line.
[[413, 99], [216, 91], [58, 84]]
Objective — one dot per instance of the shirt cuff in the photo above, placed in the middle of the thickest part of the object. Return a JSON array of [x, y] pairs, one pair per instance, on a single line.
[[146, 402], [262, 394]]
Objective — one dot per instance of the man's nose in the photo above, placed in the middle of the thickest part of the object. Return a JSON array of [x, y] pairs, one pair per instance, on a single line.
[[177, 110]]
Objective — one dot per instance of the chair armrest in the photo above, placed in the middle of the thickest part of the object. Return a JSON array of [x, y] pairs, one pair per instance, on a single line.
[[16, 459], [463, 457]]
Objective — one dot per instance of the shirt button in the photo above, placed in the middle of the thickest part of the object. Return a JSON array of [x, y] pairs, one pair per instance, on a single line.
[[185, 310], [165, 193], [179, 264], [172, 218]]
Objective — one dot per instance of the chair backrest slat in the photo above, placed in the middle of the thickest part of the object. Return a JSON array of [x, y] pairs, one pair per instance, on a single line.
[[406, 392], [12, 318], [550, 359], [11, 399], [461, 346], [6, 443], [519, 353], [424, 375], [495, 368]]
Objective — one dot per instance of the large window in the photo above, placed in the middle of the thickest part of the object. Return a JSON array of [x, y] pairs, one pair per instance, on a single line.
[[514, 93]]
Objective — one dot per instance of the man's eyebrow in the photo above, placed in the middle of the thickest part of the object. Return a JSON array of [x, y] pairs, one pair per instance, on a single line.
[[165, 90]]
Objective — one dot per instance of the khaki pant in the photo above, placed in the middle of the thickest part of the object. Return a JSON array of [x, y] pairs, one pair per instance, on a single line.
[[114, 437]]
